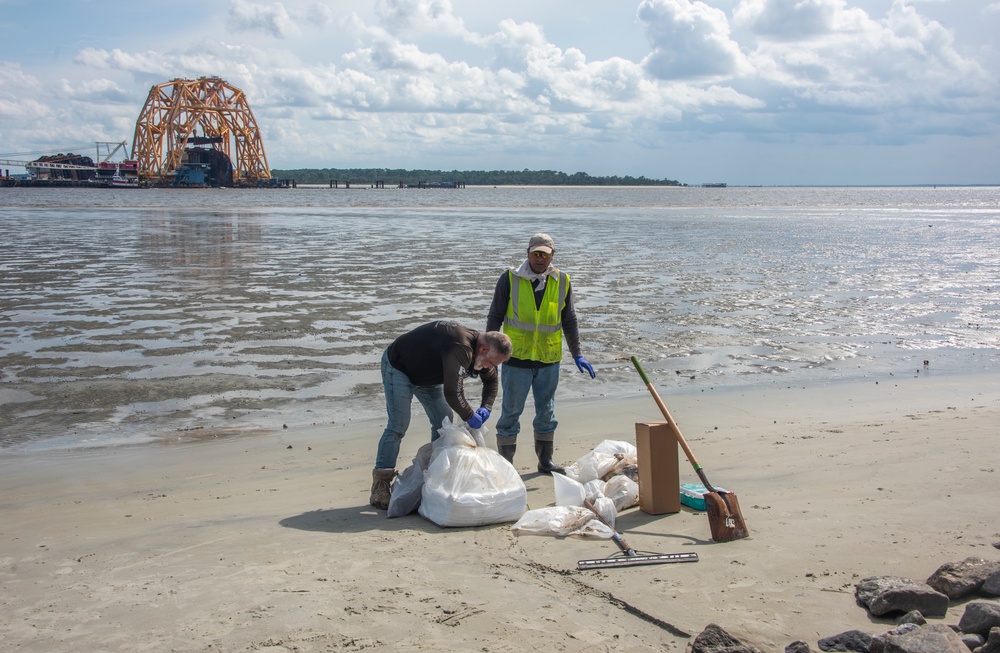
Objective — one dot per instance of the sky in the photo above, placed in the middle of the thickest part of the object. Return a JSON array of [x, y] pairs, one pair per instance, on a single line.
[[744, 92]]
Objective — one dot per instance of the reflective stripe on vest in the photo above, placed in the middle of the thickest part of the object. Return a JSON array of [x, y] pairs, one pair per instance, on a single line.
[[536, 333]]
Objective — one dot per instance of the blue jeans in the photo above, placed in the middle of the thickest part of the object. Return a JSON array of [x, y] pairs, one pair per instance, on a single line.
[[516, 382], [399, 394]]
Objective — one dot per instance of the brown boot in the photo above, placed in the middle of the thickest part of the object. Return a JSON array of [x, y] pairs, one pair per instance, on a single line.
[[381, 487]]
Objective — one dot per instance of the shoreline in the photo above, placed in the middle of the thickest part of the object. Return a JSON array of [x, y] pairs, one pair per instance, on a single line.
[[266, 542], [369, 409]]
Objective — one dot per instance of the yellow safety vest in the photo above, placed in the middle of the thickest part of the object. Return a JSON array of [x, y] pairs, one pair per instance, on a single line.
[[536, 333]]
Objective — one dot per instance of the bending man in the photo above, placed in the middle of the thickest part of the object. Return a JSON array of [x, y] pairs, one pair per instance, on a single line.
[[535, 305], [431, 363]]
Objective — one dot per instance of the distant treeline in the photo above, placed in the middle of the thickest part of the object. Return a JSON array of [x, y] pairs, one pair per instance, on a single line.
[[365, 176]]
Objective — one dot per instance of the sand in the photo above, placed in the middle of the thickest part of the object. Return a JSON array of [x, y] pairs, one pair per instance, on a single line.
[[265, 542]]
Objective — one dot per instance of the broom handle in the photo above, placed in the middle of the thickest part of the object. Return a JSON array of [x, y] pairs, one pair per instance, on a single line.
[[673, 425], [616, 537]]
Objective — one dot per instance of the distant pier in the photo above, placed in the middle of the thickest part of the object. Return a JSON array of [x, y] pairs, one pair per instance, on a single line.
[[335, 183]]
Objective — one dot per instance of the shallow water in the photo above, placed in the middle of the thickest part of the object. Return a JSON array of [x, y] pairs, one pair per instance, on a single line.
[[158, 315]]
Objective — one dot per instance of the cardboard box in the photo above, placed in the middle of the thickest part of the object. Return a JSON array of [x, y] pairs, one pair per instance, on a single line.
[[659, 477]]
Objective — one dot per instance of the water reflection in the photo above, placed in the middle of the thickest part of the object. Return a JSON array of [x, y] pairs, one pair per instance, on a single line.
[[212, 312]]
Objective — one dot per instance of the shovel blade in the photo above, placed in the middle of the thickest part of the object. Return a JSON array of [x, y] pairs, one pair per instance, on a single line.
[[724, 517]]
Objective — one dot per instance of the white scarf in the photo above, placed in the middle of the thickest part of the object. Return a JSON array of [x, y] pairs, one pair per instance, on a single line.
[[525, 272]]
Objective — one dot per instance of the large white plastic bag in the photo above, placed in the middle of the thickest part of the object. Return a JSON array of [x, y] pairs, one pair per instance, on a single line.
[[605, 458], [562, 521], [590, 466], [409, 484], [466, 485]]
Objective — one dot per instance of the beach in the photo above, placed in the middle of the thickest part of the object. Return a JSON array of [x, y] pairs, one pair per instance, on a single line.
[[265, 541]]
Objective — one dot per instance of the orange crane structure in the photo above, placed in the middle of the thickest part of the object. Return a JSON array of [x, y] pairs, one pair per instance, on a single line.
[[228, 151]]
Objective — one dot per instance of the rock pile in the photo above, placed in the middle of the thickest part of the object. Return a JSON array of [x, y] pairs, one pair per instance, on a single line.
[[978, 630]]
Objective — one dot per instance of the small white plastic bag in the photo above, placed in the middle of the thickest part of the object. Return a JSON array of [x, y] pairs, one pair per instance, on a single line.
[[568, 491], [623, 491]]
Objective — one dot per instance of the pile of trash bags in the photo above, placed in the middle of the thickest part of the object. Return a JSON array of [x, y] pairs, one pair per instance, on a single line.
[[607, 477], [458, 481]]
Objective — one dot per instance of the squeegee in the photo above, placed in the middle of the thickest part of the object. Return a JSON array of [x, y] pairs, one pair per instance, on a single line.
[[627, 556]]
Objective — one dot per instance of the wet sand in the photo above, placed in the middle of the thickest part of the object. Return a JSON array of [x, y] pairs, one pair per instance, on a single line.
[[265, 542]]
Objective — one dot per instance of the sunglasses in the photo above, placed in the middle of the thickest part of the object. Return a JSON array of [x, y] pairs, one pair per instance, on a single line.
[[541, 254]]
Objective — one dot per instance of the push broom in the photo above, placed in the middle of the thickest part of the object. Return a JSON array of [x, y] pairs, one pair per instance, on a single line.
[[629, 557], [724, 516]]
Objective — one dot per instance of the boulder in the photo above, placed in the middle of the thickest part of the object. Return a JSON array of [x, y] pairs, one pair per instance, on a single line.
[[958, 579], [798, 646], [852, 640], [878, 641], [991, 586], [992, 644], [714, 639], [979, 617], [912, 617], [972, 640], [884, 595], [934, 638]]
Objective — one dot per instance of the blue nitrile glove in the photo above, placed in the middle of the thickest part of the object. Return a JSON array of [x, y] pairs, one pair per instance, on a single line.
[[584, 366], [478, 418]]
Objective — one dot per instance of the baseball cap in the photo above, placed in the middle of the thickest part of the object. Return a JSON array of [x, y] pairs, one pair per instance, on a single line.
[[541, 242]]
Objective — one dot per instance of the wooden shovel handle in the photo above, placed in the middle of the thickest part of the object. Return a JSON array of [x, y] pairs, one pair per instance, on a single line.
[[673, 425]]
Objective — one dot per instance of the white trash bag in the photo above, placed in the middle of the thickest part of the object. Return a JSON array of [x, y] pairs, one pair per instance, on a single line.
[[604, 459], [409, 484], [568, 491], [469, 485], [623, 491], [562, 521], [572, 493]]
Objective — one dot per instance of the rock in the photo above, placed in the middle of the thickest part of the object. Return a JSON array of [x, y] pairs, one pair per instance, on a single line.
[[958, 579], [878, 641], [852, 640], [972, 640], [991, 586], [716, 640], [979, 617], [912, 617], [883, 595], [935, 638], [992, 644], [798, 647]]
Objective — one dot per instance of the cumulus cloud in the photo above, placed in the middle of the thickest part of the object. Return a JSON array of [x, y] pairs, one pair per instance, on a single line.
[[143, 62], [422, 16], [689, 40], [791, 19], [271, 19], [407, 76], [100, 91]]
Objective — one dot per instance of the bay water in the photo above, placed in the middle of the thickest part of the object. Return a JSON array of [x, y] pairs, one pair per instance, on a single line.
[[135, 316]]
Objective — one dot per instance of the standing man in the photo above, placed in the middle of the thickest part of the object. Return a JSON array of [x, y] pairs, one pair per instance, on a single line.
[[535, 305], [430, 363]]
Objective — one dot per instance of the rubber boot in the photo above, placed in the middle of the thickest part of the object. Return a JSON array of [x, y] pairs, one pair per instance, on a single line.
[[543, 449], [381, 487], [507, 451]]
